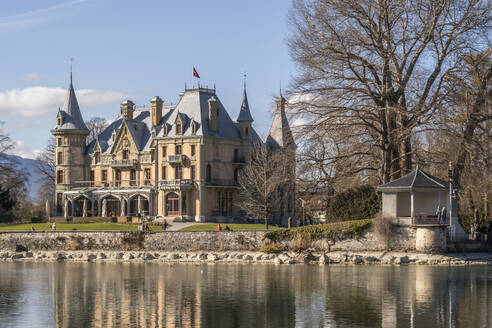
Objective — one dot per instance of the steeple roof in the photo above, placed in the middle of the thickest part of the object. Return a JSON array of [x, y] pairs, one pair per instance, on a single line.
[[71, 116], [280, 134], [244, 113]]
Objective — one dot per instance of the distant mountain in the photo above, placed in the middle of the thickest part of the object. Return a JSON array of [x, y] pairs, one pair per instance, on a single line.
[[29, 166]]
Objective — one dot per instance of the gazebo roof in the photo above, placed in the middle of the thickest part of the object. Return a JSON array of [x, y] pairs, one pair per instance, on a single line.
[[415, 180]]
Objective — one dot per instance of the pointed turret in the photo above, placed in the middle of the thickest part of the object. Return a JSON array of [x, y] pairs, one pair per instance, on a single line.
[[245, 119], [280, 134], [244, 113], [71, 118]]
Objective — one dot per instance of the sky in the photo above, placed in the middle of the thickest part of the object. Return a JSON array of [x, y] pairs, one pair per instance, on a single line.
[[128, 49]]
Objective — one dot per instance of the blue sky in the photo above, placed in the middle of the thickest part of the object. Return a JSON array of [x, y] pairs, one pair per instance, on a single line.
[[128, 49]]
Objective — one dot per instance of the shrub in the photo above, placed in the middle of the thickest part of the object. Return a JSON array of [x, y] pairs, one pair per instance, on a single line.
[[383, 229], [272, 249], [330, 231], [354, 204], [132, 241]]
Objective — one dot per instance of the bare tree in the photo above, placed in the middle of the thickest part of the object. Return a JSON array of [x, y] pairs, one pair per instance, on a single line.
[[96, 125], [261, 180], [376, 69], [45, 166]]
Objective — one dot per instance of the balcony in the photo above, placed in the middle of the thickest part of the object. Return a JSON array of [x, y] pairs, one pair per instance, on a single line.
[[109, 184], [175, 159], [124, 163], [177, 184], [222, 183], [238, 160]]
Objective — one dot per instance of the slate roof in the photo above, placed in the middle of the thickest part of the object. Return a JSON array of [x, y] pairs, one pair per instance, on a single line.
[[244, 113], [193, 107], [70, 113], [280, 134], [415, 180]]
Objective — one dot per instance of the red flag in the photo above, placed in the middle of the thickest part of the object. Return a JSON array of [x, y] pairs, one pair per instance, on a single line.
[[195, 73]]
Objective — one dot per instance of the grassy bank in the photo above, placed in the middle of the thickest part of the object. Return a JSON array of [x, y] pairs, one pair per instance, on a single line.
[[78, 226], [234, 227], [330, 231]]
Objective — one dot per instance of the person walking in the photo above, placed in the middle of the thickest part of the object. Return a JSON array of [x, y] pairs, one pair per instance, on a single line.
[[53, 226]]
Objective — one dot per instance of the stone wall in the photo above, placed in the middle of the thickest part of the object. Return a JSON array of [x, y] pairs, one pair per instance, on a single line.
[[118, 240], [403, 239]]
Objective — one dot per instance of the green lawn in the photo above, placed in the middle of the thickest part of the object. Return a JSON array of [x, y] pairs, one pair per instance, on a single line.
[[78, 226], [236, 227]]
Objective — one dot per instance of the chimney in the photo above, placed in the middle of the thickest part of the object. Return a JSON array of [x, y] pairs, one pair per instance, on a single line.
[[181, 95], [156, 110], [127, 107], [213, 114]]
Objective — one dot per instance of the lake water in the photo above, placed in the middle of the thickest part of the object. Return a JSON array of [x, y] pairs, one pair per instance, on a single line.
[[242, 295]]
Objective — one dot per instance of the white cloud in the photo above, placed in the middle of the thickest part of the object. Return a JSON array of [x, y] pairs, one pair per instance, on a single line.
[[38, 101], [31, 77], [22, 150]]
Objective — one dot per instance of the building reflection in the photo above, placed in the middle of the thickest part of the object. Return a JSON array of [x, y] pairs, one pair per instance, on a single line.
[[241, 295]]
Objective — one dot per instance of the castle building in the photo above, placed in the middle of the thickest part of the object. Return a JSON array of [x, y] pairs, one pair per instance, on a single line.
[[168, 161]]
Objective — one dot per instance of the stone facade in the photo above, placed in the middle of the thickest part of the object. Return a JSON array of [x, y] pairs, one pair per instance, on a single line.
[[172, 161]]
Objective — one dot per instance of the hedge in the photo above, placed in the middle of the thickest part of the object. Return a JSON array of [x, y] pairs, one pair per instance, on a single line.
[[354, 204]]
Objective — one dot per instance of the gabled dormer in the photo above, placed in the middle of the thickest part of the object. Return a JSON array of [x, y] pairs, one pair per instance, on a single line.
[[245, 119], [213, 114], [178, 125]]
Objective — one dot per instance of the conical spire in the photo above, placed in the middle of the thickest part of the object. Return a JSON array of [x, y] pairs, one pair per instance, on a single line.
[[72, 119], [244, 113], [280, 134]]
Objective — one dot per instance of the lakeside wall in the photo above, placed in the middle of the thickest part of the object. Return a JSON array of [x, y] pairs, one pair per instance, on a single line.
[[403, 239]]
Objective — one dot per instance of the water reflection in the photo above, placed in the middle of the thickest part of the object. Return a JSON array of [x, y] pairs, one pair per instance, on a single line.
[[162, 295]]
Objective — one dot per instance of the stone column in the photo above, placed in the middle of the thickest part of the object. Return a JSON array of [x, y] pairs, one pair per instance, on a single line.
[[139, 204], [65, 214], [412, 204], [180, 203], [84, 209], [73, 209], [92, 207], [123, 207], [104, 209], [202, 204]]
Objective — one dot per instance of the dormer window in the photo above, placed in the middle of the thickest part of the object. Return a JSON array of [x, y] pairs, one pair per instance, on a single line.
[[247, 132], [193, 128], [179, 128], [164, 130], [125, 153], [59, 121], [97, 157]]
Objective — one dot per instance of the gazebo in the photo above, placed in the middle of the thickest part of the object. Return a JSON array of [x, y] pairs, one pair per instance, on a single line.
[[414, 199]]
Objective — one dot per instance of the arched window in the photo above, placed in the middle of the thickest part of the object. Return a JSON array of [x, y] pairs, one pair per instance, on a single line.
[[209, 173], [247, 132], [97, 157], [59, 121]]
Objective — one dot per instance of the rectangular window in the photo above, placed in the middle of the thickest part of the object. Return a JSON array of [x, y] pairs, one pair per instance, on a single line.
[[192, 150], [133, 177], [59, 202], [59, 141], [91, 176], [60, 158], [59, 176], [97, 157], [192, 172], [178, 149], [118, 178], [236, 155], [164, 151], [147, 177], [178, 172], [163, 173], [104, 176], [125, 154]]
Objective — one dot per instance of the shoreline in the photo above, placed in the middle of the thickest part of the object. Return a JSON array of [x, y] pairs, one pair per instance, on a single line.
[[306, 257]]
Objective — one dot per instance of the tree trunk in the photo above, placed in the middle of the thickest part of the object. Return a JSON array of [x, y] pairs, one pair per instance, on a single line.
[[266, 223]]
